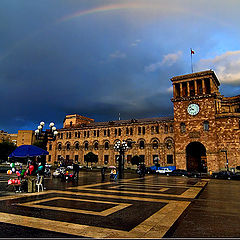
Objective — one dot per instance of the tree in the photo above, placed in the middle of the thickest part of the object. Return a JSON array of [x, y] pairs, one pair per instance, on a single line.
[[136, 160], [90, 158], [6, 148]]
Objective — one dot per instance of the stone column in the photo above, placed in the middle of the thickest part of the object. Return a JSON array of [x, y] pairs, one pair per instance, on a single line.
[[195, 88], [203, 86], [188, 89]]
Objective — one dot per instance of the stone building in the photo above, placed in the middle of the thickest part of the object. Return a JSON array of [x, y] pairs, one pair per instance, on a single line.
[[25, 137], [203, 135]]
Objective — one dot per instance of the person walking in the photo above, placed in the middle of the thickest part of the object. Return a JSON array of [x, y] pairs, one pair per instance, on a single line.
[[103, 170], [75, 170]]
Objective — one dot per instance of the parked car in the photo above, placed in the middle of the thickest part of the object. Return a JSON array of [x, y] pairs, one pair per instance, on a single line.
[[59, 172], [194, 174], [179, 172], [223, 175], [163, 170], [236, 176]]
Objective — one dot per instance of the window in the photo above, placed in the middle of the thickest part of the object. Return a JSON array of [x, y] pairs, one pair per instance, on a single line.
[[171, 128], [141, 144], [155, 159], [97, 133], [68, 146], [169, 144], [108, 132], [165, 128], [94, 133], [88, 132], [169, 159], [76, 157], [152, 130], [129, 157], [49, 158], [61, 135], [143, 130], [59, 146], [50, 147], [59, 157], [157, 129], [75, 134], [69, 135], [67, 157], [86, 145], [115, 132], [155, 144], [77, 146], [96, 145], [85, 134], [105, 132], [78, 134], [182, 127], [106, 159], [119, 132], [71, 124], [131, 131], [139, 130], [206, 126], [127, 131], [106, 145]]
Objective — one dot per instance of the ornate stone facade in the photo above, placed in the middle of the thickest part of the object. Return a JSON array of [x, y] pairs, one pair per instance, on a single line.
[[205, 126]]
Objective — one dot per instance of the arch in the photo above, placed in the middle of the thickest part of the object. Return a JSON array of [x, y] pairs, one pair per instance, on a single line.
[[196, 157], [169, 143], [76, 145], [59, 146], [85, 145], [106, 145], [141, 143], [95, 145], [68, 145], [155, 143]]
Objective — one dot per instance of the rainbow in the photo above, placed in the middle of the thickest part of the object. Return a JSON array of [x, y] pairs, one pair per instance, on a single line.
[[105, 8]]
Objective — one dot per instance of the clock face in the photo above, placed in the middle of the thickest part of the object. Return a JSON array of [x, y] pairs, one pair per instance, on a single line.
[[193, 109]]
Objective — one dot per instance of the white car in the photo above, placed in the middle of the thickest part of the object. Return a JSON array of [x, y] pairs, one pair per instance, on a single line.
[[164, 170]]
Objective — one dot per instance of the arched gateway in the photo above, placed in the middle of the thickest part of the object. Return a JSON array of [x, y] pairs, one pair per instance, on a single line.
[[196, 157]]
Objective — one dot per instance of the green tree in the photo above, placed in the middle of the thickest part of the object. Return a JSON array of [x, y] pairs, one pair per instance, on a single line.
[[136, 160], [90, 158], [6, 148]]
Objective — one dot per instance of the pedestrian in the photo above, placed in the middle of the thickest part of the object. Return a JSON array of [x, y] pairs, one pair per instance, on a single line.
[[75, 170], [103, 170]]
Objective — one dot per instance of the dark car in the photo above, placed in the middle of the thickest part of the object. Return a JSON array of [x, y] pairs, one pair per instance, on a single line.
[[223, 175], [195, 174], [236, 176], [179, 172]]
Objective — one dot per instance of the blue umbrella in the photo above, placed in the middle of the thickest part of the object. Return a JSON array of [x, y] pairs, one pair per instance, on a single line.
[[28, 151]]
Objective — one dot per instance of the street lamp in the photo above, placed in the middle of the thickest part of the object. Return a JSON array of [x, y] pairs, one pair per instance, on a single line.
[[49, 134], [226, 158], [121, 147]]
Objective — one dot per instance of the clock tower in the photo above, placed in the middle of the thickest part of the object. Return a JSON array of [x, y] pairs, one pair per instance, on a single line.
[[196, 99]]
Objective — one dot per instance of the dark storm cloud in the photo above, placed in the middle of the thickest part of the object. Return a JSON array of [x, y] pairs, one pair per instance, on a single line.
[[112, 57]]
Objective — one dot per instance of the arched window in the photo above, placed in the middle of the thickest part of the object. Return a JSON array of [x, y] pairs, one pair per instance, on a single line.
[[171, 128], [77, 146], [183, 127], [96, 145], [59, 146], [169, 144], [68, 146], [155, 144], [106, 145], [206, 126], [86, 145], [141, 144]]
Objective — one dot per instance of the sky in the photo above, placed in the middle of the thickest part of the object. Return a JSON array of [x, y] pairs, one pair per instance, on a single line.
[[99, 58]]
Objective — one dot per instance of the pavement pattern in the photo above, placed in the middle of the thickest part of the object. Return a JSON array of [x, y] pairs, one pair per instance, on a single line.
[[129, 208]]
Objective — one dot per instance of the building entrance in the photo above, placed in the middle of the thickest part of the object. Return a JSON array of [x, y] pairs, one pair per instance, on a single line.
[[196, 157]]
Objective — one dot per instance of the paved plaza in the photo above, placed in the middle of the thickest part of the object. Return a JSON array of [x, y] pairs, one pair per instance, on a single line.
[[151, 207]]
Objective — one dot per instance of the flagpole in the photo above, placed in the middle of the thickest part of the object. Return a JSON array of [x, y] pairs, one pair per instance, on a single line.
[[191, 60]]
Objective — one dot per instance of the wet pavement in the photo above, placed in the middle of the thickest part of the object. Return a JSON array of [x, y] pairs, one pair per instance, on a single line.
[[151, 207]]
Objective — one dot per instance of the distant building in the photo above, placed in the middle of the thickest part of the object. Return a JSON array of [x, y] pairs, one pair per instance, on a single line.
[[25, 137], [5, 136], [205, 126]]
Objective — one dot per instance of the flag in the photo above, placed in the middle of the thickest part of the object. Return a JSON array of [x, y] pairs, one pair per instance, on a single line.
[[192, 51]]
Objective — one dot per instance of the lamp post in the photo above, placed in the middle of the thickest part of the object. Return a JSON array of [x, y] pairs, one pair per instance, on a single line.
[[121, 147], [226, 158], [49, 134]]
